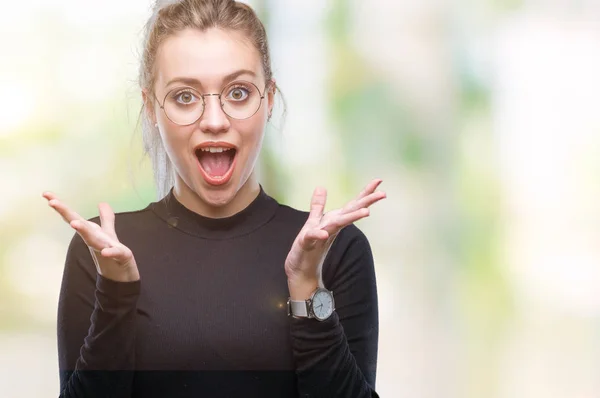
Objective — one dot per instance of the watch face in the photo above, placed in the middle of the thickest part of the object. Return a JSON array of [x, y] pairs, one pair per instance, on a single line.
[[322, 305]]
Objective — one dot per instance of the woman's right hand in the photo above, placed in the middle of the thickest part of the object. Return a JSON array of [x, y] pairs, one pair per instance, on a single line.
[[113, 260]]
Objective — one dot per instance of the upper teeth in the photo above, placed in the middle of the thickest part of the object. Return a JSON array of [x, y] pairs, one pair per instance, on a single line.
[[214, 149]]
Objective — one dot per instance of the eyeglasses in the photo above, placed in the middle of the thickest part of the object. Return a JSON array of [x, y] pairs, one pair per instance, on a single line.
[[239, 100]]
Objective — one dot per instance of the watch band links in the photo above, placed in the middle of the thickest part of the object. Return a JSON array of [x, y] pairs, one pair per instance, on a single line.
[[299, 308]]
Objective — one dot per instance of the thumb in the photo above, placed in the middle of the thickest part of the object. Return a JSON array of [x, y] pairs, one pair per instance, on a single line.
[[107, 220], [119, 253]]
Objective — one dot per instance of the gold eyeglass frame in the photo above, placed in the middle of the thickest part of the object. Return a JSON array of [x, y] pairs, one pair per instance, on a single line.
[[262, 96]]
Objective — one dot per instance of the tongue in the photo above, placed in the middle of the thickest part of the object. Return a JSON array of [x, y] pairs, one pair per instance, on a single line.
[[215, 164]]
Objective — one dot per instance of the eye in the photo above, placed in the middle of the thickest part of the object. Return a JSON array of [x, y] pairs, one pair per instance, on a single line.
[[238, 93], [185, 97]]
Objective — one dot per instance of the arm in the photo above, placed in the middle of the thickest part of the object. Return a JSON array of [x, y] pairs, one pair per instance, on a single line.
[[338, 357], [96, 329]]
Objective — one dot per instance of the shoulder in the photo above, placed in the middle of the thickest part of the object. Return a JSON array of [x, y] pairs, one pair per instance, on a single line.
[[351, 242], [349, 260], [349, 236]]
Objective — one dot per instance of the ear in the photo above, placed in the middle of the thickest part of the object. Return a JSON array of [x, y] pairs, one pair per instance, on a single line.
[[148, 105]]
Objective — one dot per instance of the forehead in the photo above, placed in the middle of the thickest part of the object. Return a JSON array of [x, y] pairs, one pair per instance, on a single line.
[[207, 56]]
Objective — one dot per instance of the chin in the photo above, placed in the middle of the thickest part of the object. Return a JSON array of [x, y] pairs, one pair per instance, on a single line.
[[216, 196]]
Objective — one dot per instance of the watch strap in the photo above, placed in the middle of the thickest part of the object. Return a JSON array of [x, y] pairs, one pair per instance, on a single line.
[[299, 308]]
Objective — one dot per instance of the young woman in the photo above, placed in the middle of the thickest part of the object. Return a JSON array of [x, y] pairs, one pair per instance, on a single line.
[[216, 290]]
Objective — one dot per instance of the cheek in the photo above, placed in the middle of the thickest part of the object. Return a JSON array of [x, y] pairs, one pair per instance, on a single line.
[[175, 141], [252, 133]]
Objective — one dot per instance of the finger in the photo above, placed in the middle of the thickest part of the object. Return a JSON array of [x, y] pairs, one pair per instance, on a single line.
[[49, 195], [370, 188], [119, 253], [365, 201], [66, 213], [312, 236], [95, 226], [107, 219], [91, 235], [317, 203], [334, 225]]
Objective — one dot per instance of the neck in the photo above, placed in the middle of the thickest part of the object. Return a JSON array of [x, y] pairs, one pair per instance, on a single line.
[[226, 207]]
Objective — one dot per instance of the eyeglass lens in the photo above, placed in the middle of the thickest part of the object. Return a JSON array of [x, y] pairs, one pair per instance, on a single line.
[[239, 100]]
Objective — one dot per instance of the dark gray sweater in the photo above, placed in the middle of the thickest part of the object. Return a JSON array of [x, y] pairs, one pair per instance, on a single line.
[[208, 318]]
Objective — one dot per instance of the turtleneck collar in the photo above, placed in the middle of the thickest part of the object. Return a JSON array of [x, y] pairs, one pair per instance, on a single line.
[[255, 215]]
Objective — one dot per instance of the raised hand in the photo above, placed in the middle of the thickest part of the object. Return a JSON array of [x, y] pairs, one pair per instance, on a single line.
[[305, 259], [113, 259]]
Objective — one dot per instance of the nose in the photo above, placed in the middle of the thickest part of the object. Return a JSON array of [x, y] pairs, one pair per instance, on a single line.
[[213, 119]]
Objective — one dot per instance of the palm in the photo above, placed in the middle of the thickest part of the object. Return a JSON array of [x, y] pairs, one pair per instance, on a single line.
[[320, 230], [113, 259]]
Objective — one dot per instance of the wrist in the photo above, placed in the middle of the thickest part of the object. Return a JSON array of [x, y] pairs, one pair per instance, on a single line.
[[302, 289]]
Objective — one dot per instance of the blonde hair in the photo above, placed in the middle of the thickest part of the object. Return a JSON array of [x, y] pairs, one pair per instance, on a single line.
[[172, 16]]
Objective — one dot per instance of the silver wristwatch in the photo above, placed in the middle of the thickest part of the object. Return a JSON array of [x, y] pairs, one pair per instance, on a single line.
[[319, 306]]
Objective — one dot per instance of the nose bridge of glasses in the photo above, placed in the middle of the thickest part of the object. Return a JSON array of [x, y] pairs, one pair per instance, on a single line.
[[205, 102]]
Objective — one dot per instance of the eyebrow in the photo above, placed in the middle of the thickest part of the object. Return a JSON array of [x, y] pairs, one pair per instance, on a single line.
[[195, 82]]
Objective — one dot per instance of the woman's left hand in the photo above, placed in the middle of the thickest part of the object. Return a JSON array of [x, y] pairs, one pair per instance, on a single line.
[[304, 261]]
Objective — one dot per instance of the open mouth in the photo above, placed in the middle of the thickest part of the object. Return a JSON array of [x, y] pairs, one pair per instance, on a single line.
[[216, 163]]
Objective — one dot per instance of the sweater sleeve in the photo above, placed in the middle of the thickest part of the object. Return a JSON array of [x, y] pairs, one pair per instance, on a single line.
[[95, 329], [337, 358]]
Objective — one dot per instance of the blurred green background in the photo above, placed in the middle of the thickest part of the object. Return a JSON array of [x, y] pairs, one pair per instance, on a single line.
[[481, 118]]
